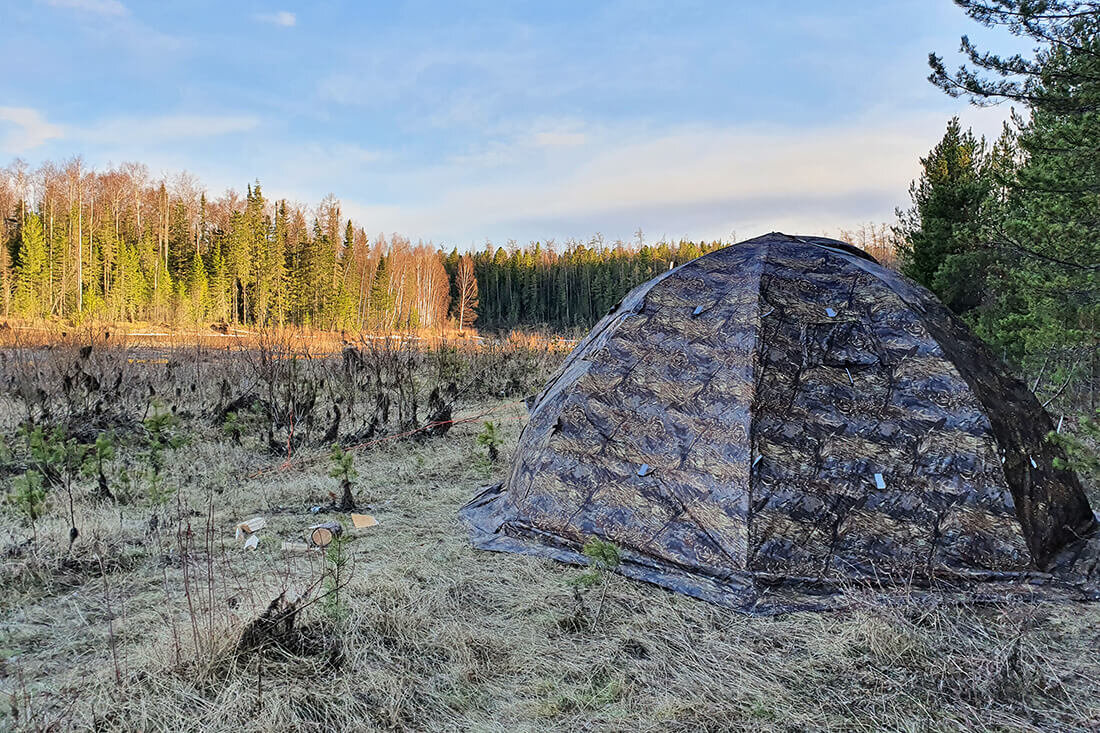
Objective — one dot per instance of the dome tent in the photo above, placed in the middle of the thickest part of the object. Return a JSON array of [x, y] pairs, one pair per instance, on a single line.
[[775, 420]]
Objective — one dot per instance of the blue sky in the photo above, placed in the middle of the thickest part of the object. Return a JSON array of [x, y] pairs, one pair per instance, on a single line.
[[463, 121]]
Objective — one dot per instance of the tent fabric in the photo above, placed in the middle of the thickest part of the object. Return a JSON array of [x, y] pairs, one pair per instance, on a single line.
[[778, 420]]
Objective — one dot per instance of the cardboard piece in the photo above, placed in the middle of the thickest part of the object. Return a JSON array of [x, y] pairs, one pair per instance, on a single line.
[[360, 521]]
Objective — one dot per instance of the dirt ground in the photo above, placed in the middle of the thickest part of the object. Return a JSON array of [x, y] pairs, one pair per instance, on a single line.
[[138, 625]]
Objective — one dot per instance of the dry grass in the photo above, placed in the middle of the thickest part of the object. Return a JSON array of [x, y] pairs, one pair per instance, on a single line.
[[137, 628]]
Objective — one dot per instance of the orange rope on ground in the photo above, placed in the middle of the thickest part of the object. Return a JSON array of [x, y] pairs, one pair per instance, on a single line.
[[290, 462]]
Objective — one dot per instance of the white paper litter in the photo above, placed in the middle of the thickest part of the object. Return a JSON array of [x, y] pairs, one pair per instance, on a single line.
[[249, 526]]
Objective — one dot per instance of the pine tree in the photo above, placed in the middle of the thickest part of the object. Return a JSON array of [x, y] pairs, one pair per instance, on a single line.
[[131, 291], [381, 297], [941, 232], [220, 283], [198, 297], [31, 294], [275, 264], [238, 261], [1046, 238]]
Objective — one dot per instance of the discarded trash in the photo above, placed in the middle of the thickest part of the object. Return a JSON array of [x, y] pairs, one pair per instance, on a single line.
[[850, 380], [880, 482], [359, 521], [252, 542], [314, 509], [249, 526], [321, 535], [295, 547], [830, 312], [756, 460], [645, 470], [1033, 463], [697, 311]]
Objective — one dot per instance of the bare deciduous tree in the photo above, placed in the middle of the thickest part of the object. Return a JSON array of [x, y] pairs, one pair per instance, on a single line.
[[467, 292]]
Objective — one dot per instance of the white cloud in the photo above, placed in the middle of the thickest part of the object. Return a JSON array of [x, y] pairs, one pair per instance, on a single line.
[[317, 163], [99, 7], [31, 129], [693, 180], [281, 17], [559, 139], [132, 131]]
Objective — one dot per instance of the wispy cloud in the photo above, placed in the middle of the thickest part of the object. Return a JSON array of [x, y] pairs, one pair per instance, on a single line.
[[694, 180], [99, 7], [131, 131], [31, 129], [559, 139], [280, 17]]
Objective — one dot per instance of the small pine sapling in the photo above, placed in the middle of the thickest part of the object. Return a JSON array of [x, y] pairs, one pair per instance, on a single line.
[[232, 427], [95, 461], [336, 560], [29, 497], [343, 469], [603, 559], [58, 461], [161, 429], [491, 438]]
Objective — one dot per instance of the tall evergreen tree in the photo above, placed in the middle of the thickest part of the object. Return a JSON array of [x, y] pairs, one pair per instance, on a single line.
[[381, 298], [31, 293], [1047, 239], [941, 233], [198, 295]]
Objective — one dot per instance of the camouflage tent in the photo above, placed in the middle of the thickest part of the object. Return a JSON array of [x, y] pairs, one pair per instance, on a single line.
[[783, 418]]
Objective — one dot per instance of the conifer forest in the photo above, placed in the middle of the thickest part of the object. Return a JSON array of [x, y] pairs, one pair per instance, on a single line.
[[117, 245]]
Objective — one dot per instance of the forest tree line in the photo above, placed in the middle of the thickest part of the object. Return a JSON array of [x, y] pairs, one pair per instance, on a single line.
[[118, 245]]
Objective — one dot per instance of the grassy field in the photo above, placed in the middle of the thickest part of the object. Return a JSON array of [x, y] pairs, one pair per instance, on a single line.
[[138, 622]]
